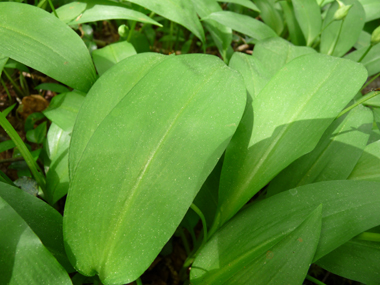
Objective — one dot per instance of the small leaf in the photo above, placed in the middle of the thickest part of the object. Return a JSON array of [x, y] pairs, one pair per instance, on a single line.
[[45, 44], [108, 56], [4, 146], [38, 134], [63, 109], [243, 24], [57, 88]]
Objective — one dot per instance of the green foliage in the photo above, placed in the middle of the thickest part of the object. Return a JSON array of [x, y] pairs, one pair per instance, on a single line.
[[275, 151]]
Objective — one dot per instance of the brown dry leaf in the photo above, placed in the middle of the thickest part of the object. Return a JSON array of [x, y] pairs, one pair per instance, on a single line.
[[32, 104]]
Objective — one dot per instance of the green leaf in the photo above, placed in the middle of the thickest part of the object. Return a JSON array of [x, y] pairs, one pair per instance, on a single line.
[[348, 208], [63, 109], [364, 40], [5, 145], [221, 35], [57, 88], [334, 157], [69, 12], [371, 8], [179, 11], [290, 115], [57, 170], [295, 31], [45, 44], [97, 12], [368, 166], [338, 44], [141, 181], [44, 221], [108, 56], [38, 134], [3, 61], [309, 18], [243, 24], [356, 260], [244, 3], [371, 61], [270, 15], [23, 259]]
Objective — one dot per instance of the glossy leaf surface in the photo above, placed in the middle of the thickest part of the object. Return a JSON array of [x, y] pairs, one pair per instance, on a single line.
[[334, 157], [290, 115], [44, 221], [179, 11], [57, 169], [45, 44], [23, 259], [309, 18], [166, 127], [352, 25], [243, 24], [108, 56], [348, 208]]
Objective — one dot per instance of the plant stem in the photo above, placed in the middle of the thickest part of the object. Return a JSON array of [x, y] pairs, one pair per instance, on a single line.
[[370, 81], [52, 7], [133, 25], [15, 86], [6, 89], [138, 281], [367, 236], [316, 281], [13, 159], [200, 214], [366, 52], [337, 38], [33, 166], [185, 242], [170, 36], [360, 101]]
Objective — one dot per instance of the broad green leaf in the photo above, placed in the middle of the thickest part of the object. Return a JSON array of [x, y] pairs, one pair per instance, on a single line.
[[24, 259], [368, 166], [309, 18], [57, 88], [356, 260], [42, 219], [63, 109], [268, 57], [70, 11], [270, 15], [348, 208], [108, 56], [334, 157], [295, 31], [45, 44], [136, 144], [95, 12], [221, 35], [290, 115], [371, 61], [276, 52], [338, 44], [371, 8], [179, 11], [243, 24], [57, 170], [244, 3], [38, 134]]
